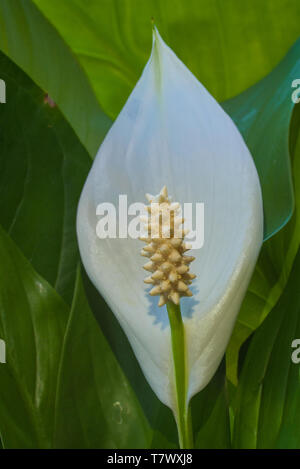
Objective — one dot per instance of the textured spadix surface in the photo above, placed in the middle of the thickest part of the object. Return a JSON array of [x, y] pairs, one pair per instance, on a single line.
[[172, 132], [165, 248]]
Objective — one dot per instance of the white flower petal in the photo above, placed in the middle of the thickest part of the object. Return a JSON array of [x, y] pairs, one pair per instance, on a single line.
[[172, 132]]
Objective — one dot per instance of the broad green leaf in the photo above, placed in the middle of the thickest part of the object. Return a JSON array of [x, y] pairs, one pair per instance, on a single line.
[[33, 319], [263, 114], [229, 45], [35, 46], [43, 168], [61, 385], [268, 401], [273, 266]]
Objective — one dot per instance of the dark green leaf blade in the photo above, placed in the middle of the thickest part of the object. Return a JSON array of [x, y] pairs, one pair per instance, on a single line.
[[43, 168], [263, 114], [33, 319], [61, 386], [268, 402], [35, 46], [273, 267], [210, 412]]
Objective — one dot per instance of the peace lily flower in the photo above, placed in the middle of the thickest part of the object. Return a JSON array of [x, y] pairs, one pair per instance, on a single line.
[[171, 132]]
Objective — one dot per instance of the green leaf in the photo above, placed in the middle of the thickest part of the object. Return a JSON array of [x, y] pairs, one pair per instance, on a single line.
[[273, 266], [229, 45], [268, 401], [34, 44], [43, 168], [32, 323], [61, 386], [210, 414], [263, 114]]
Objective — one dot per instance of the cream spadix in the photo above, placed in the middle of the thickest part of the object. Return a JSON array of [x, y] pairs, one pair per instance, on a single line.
[[172, 132], [168, 264]]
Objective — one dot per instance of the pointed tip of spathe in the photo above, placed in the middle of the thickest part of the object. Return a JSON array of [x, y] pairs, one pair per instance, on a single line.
[[155, 32]]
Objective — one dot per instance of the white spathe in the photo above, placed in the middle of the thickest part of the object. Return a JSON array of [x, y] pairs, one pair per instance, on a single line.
[[172, 132]]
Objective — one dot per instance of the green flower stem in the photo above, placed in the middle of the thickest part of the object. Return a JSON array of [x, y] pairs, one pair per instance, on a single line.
[[183, 419]]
